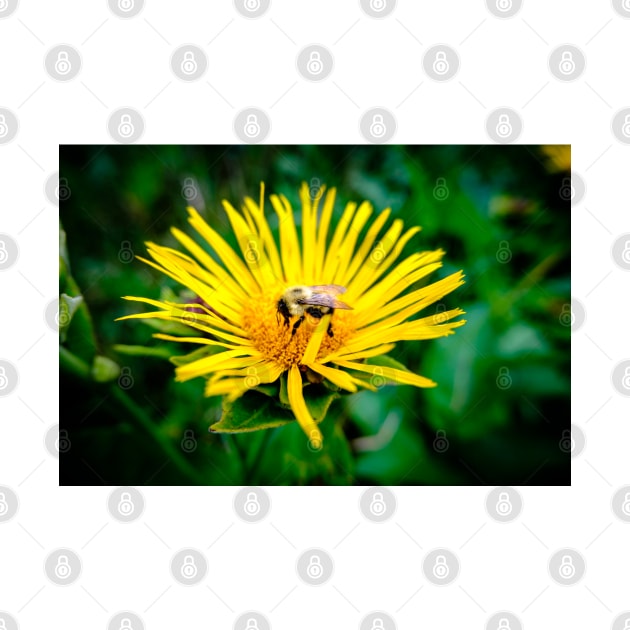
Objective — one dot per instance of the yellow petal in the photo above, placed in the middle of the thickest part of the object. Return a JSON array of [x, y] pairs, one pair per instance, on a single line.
[[322, 234], [340, 231], [227, 255], [312, 348], [346, 249], [405, 378], [338, 377], [230, 359], [365, 247], [298, 405]]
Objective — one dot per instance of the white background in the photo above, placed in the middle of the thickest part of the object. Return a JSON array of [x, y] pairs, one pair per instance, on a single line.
[[252, 63]]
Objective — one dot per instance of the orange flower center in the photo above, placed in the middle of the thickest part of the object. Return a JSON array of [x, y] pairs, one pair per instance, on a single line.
[[274, 339]]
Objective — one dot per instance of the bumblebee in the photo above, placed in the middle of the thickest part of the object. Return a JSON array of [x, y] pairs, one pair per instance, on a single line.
[[317, 300]]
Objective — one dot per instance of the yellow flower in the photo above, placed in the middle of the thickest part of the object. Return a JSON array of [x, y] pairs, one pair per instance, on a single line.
[[558, 157], [237, 305]]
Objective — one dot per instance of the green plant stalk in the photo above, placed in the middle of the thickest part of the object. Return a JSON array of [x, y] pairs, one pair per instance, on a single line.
[[80, 368], [250, 471]]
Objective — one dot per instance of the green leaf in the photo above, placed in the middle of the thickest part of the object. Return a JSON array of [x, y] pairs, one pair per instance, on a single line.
[[104, 369], [254, 411], [284, 391], [332, 464], [68, 306], [385, 360], [161, 352]]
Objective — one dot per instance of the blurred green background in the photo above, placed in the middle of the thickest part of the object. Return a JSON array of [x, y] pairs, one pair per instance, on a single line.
[[500, 414]]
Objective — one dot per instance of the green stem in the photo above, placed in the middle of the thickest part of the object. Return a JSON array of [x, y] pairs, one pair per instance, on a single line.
[[73, 364], [251, 470], [145, 421], [81, 368]]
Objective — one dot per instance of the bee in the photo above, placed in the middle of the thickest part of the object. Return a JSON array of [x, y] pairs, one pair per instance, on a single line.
[[316, 301]]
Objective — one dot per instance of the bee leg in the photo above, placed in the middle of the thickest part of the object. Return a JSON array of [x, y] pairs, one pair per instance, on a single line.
[[297, 325], [330, 332]]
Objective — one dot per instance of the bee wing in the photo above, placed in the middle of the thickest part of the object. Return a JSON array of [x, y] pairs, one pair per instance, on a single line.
[[324, 299], [333, 289]]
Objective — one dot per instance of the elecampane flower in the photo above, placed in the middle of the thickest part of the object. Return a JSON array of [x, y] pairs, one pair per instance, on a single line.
[[237, 298]]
